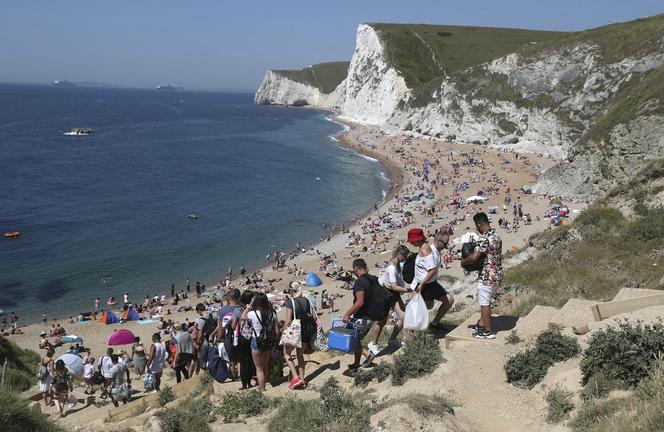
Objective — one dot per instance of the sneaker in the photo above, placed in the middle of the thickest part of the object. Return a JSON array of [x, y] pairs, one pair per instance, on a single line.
[[484, 334], [352, 370], [296, 383], [395, 343], [475, 326], [368, 361], [436, 326], [374, 348]]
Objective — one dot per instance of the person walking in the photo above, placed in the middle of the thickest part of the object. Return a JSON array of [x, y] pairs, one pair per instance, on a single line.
[[489, 246], [427, 265], [184, 353], [44, 373], [155, 362], [138, 356], [62, 385], [119, 391], [263, 321], [227, 321], [88, 376], [105, 364], [298, 307], [358, 314], [245, 359]]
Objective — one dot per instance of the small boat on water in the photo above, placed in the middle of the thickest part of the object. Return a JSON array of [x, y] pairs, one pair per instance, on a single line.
[[12, 234], [192, 216], [79, 131]]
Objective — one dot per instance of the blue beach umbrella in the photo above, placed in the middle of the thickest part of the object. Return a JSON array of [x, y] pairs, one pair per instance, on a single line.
[[313, 280]]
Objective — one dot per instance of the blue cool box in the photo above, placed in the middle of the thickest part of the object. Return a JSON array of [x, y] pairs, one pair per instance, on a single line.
[[342, 339]]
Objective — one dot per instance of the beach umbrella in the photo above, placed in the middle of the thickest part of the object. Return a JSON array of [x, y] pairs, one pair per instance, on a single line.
[[71, 339], [313, 280], [556, 201], [121, 337], [73, 363]]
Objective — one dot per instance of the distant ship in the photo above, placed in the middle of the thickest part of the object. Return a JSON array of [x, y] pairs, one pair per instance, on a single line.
[[79, 131], [166, 87], [63, 83]]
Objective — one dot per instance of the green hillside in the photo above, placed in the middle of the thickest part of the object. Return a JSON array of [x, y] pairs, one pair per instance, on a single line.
[[325, 76], [422, 52]]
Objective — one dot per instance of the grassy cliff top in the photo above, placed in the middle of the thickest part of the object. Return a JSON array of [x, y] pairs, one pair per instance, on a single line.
[[324, 76], [423, 52]]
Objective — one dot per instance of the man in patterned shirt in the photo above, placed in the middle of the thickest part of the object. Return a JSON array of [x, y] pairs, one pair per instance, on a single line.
[[489, 246]]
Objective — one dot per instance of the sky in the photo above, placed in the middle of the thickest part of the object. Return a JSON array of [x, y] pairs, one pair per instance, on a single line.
[[224, 44]]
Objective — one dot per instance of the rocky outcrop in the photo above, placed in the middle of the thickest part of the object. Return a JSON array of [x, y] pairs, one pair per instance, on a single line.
[[597, 113]]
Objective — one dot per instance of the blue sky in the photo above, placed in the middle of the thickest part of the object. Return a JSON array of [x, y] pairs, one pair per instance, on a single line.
[[229, 44]]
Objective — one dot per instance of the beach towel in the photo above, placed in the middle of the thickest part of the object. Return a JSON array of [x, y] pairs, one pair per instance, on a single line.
[[147, 321]]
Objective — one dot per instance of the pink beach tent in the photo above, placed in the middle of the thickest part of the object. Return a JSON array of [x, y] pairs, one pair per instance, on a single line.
[[121, 337]]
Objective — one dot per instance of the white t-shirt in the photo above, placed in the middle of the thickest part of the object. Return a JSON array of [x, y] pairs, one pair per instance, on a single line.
[[424, 264], [157, 364], [392, 276], [88, 370], [106, 364], [253, 318]]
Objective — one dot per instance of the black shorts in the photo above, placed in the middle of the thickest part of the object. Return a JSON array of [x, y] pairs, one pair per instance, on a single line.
[[433, 291]]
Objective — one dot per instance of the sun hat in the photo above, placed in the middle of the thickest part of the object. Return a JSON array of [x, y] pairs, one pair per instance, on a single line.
[[416, 235], [295, 289]]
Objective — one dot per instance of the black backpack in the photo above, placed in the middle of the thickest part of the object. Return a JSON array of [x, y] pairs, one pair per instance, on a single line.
[[266, 339], [307, 320], [466, 250], [408, 271], [209, 327], [378, 299]]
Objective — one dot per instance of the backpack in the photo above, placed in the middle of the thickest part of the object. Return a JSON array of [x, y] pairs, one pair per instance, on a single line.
[[230, 336], [216, 366], [466, 250], [209, 327], [307, 321], [61, 382], [408, 271], [266, 339], [42, 372], [378, 299]]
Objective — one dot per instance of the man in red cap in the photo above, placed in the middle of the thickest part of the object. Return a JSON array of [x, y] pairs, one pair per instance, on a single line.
[[427, 265]]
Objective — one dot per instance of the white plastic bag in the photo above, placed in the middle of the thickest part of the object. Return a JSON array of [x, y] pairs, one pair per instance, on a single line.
[[417, 315]]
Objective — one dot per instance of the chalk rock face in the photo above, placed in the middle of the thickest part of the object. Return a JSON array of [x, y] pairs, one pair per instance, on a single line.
[[277, 89]]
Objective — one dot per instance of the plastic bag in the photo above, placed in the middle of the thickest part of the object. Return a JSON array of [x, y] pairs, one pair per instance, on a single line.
[[417, 315]]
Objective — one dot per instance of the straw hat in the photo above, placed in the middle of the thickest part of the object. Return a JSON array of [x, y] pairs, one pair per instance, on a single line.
[[295, 289]]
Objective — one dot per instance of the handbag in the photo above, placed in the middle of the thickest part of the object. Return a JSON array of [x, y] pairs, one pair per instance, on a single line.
[[121, 392], [292, 335], [319, 342], [148, 382], [416, 316]]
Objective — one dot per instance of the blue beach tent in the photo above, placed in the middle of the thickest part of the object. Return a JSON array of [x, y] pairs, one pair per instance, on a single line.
[[313, 280], [132, 315]]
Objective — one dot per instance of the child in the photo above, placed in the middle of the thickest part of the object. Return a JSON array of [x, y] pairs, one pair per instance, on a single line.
[[88, 373]]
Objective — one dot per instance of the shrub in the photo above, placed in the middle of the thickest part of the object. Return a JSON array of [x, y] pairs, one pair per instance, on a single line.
[[239, 405], [647, 227], [380, 373], [598, 386], [166, 395], [557, 346], [592, 412], [191, 415], [335, 411], [418, 358], [560, 405], [429, 405], [625, 353], [513, 338], [527, 368], [16, 416], [21, 365]]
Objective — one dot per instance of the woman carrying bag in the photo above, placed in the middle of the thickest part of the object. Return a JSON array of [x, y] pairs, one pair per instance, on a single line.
[[299, 329]]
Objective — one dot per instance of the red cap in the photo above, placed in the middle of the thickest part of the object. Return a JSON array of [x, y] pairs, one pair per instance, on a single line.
[[416, 235]]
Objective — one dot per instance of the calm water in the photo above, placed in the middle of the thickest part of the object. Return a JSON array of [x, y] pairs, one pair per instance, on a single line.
[[115, 203]]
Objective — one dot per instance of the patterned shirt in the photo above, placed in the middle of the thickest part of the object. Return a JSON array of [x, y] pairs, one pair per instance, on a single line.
[[491, 246]]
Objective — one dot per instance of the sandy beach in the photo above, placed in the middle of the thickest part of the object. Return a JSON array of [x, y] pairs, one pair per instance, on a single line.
[[374, 236]]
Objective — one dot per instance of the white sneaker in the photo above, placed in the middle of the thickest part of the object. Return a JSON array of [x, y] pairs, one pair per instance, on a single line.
[[375, 349]]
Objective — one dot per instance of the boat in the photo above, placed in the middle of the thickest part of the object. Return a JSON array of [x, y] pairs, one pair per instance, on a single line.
[[63, 83], [79, 131], [192, 216], [11, 234], [166, 87]]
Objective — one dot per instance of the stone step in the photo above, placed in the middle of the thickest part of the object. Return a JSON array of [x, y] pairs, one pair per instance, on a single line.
[[536, 321], [630, 293], [502, 325], [574, 312]]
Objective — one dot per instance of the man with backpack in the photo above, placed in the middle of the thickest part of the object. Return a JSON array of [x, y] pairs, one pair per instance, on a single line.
[[201, 332], [488, 247], [370, 304], [227, 320]]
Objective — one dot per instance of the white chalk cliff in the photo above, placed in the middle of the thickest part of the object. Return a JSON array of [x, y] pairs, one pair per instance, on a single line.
[[543, 102]]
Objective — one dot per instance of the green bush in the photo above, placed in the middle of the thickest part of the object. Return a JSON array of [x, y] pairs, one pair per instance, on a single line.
[[16, 416], [239, 405], [379, 373], [599, 386], [191, 415], [21, 365], [335, 411], [166, 395], [513, 338], [416, 359], [593, 412], [625, 353], [429, 405], [527, 368], [647, 227], [559, 405]]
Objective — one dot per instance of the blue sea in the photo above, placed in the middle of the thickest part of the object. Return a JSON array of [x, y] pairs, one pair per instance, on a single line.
[[105, 214]]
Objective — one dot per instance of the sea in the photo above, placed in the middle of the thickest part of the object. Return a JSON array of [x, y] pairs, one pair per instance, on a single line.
[[107, 213]]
